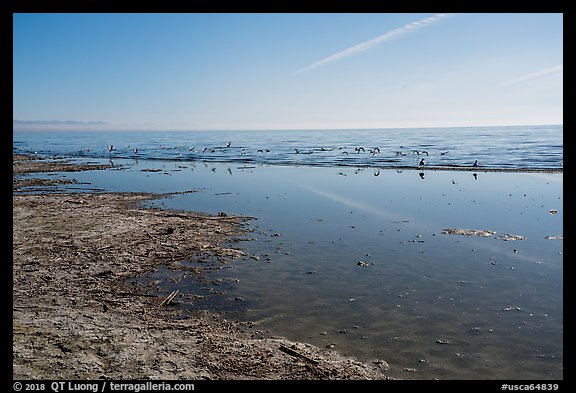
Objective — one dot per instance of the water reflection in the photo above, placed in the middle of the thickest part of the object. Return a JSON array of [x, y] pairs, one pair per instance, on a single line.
[[497, 304]]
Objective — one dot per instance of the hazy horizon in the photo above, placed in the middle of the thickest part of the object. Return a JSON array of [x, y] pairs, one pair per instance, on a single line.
[[79, 126]]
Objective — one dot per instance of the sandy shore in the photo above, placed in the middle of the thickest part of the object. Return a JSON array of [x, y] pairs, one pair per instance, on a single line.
[[76, 317]]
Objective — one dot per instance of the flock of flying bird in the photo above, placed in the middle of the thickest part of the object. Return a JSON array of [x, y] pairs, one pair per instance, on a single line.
[[357, 150]]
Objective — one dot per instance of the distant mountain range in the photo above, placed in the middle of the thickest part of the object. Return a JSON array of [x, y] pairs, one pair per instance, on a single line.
[[55, 125], [71, 125]]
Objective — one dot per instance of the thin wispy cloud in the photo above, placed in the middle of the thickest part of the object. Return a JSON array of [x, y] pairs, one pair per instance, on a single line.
[[534, 75], [389, 36]]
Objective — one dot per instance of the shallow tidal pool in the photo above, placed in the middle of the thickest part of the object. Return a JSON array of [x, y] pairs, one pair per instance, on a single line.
[[360, 261]]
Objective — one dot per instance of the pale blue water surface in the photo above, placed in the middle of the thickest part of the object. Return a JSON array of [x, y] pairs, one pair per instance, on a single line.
[[526, 147], [497, 303]]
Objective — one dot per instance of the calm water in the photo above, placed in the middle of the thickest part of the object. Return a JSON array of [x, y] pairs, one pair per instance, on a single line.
[[494, 147], [498, 304]]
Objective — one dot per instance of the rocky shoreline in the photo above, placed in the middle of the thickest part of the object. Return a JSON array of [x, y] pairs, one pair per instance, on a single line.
[[75, 316]]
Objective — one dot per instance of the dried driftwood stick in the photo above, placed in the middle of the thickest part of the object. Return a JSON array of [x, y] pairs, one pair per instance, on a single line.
[[293, 352], [168, 299]]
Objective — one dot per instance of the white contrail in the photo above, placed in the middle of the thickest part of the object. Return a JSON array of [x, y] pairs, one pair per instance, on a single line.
[[352, 203], [534, 75], [396, 33]]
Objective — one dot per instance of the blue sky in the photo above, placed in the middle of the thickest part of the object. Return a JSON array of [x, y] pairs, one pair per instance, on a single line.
[[289, 71]]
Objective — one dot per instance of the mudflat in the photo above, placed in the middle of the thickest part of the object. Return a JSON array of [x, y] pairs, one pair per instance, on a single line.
[[76, 316]]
